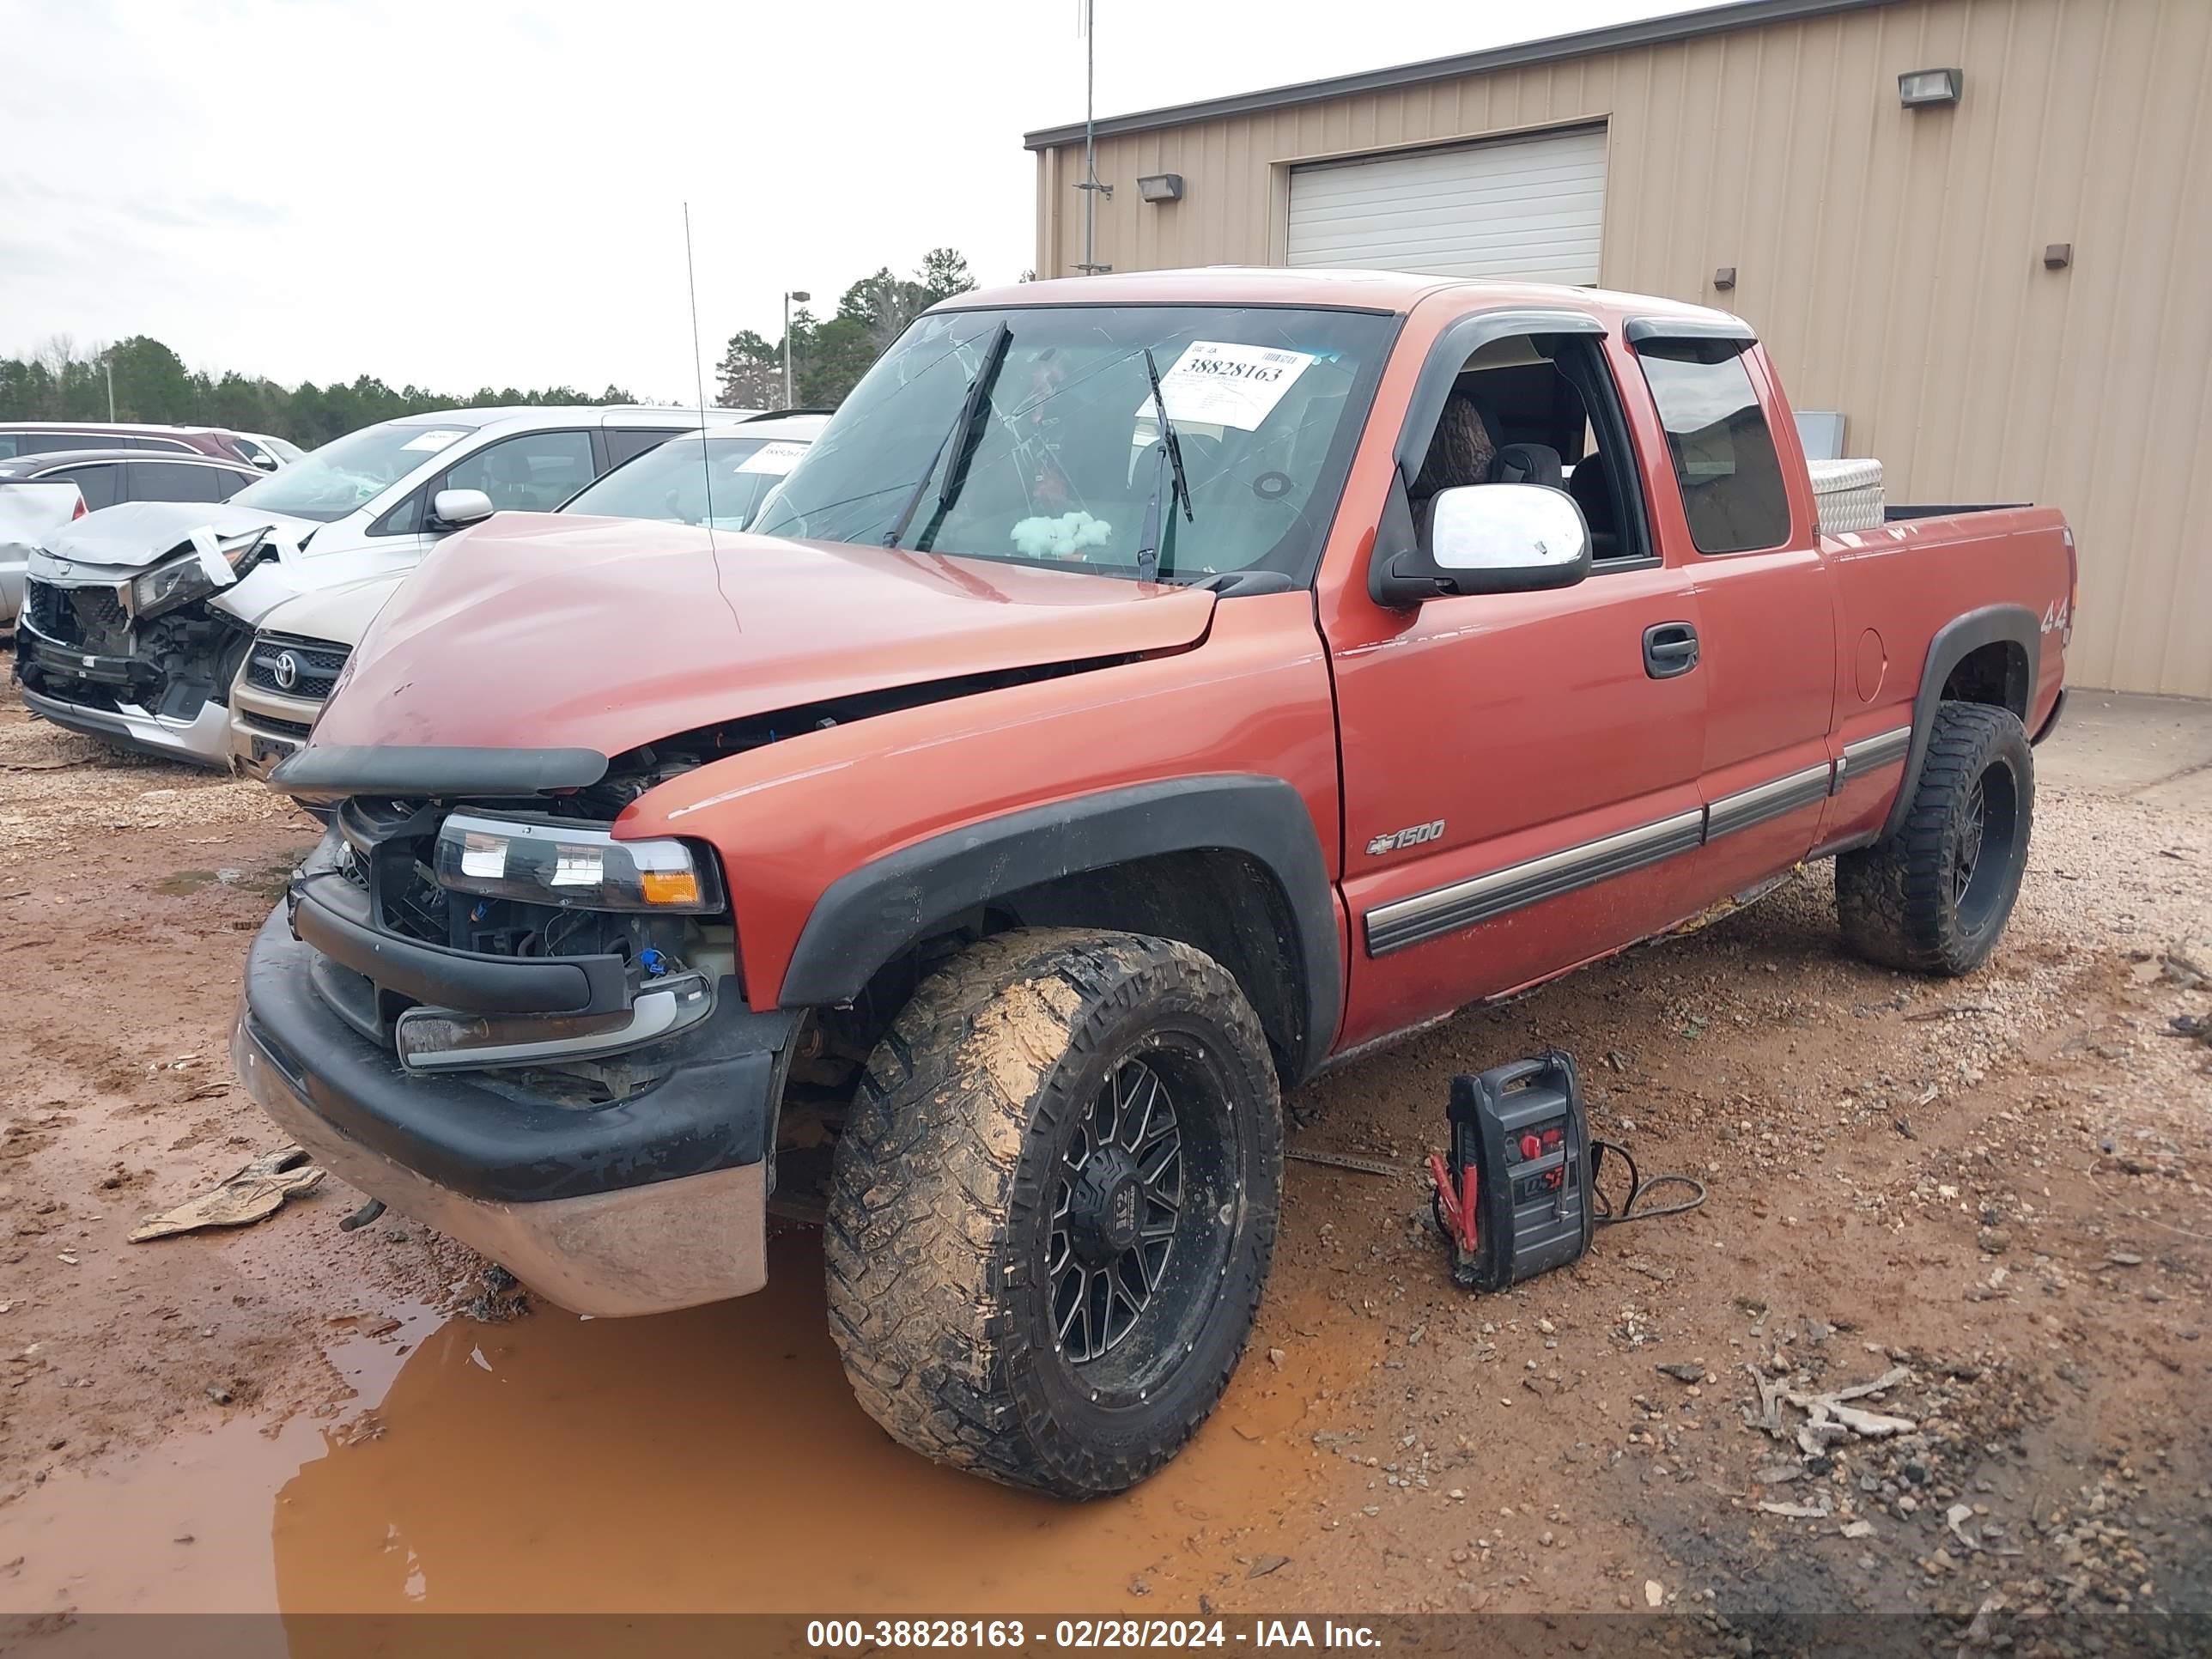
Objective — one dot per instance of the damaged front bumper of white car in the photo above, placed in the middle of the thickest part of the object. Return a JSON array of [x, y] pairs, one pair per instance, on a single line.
[[136, 654]]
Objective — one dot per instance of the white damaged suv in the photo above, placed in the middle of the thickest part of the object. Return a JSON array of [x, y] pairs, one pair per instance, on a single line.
[[137, 618]]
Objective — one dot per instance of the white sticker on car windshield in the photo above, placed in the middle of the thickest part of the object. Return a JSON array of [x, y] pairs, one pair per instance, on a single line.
[[436, 438], [1226, 385], [776, 458]]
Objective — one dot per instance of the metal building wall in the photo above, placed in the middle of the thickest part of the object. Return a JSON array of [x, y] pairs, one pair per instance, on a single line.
[[1892, 259]]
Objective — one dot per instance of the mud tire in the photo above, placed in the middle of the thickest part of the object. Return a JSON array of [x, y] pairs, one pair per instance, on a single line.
[[1903, 902], [941, 1300]]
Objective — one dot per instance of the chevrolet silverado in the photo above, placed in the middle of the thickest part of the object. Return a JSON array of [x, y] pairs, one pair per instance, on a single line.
[[1148, 690]]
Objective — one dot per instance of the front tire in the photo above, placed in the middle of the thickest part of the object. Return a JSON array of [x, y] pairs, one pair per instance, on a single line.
[[1934, 897], [1053, 1208]]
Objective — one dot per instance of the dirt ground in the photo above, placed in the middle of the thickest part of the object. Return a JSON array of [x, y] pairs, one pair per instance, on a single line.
[[1991, 1192]]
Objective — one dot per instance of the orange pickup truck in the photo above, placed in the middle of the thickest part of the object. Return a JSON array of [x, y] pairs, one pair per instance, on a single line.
[[1147, 691]]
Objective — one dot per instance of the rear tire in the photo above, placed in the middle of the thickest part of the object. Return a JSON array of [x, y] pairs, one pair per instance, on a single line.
[[1934, 897], [1053, 1207]]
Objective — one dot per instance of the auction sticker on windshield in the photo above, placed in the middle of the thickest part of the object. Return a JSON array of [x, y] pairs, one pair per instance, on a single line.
[[436, 438], [1220, 383], [776, 457]]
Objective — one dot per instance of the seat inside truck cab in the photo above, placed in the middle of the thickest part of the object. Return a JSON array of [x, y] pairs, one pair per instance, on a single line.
[[1518, 414]]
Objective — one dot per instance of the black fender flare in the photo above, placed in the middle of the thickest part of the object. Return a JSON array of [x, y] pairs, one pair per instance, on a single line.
[[1992, 624], [868, 914]]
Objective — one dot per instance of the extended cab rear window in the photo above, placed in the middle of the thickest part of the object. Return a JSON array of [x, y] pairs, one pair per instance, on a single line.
[[1717, 436]]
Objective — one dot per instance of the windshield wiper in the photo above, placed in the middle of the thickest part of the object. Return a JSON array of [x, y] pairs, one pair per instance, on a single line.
[[963, 431], [1148, 548]]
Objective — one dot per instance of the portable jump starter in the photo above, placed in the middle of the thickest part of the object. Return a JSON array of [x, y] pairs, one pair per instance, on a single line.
[[1515, 1194]]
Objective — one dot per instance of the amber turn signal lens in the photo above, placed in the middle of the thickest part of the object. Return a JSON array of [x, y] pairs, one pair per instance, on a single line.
[[669, 886]]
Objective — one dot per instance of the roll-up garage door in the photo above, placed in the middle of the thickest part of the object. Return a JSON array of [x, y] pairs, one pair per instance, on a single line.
[[1527, 207]]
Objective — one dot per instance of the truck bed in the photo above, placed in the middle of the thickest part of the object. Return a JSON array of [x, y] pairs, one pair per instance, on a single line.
[[1894, 511]]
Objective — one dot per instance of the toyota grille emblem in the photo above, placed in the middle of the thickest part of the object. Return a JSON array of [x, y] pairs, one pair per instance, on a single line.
[[286, 671]]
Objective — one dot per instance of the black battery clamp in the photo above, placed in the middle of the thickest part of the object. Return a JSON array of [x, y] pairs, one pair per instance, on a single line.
[[1517, 1193]]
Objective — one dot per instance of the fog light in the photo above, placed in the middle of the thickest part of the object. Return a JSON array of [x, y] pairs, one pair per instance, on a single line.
[[446, 1039]]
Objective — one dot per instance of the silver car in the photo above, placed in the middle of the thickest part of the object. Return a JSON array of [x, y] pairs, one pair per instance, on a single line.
[[42, 494]]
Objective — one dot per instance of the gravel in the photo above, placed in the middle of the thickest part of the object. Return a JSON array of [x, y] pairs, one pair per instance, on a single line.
[[58, 789]]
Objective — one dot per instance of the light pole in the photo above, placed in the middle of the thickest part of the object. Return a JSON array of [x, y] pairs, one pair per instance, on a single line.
[[789, 294], [1090, 186]]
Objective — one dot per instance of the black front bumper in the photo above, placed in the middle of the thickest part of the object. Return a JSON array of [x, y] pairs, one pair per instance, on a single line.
[[484, 1136]]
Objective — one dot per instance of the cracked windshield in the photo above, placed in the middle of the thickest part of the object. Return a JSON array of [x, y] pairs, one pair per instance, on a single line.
[[1034, 435]]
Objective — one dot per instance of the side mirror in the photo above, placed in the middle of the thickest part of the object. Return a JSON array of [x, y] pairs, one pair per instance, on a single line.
[[451, 509], [1490, 539], [264, 460]]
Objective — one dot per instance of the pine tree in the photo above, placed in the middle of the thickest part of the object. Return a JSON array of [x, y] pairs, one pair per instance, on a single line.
[[751, 374]]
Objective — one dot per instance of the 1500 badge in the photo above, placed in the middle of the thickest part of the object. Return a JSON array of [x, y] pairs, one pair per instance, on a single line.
[[1402, 839]]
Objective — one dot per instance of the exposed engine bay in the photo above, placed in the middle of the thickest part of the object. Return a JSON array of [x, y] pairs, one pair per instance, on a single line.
[[172, 666], [158, 642], [389, 862]]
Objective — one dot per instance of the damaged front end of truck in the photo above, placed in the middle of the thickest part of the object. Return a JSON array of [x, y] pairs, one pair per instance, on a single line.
[[481, 1008], [501, 995]]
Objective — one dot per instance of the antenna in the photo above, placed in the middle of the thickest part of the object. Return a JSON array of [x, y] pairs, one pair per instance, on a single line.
[[698, 376]]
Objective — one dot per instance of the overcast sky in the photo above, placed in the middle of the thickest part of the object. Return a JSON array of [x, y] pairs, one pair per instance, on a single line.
[[475, 193]]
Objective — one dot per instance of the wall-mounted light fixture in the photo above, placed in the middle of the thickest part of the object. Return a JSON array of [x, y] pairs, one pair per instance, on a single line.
[[1160, 187], [1724, 277], [2056, 256], [1920, 88]]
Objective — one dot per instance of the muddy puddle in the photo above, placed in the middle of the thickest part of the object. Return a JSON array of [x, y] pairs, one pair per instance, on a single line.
[[711, 1459]]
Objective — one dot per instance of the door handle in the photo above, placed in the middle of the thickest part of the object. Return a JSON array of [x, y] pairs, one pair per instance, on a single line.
[[1670, 648]]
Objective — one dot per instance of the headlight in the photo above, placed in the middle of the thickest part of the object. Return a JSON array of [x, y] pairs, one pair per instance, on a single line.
[[574, 867], [178, 582], [192, 575]]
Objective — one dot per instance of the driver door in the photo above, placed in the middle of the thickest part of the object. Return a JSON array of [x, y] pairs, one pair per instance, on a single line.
[[1520, 773]]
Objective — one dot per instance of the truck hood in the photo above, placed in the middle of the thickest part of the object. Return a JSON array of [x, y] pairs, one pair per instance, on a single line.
[[536, 630], [134, 534]]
